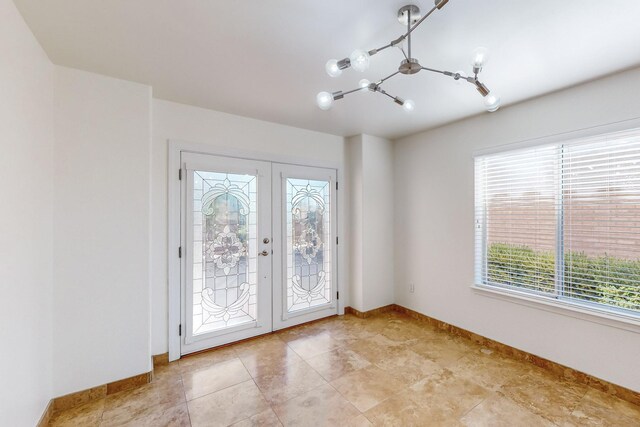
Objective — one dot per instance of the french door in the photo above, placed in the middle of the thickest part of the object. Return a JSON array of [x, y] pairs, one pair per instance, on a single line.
[[259, 248], [226, 289], [305, 245]]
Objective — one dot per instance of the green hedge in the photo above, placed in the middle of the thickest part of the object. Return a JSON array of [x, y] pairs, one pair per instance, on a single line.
[[523, 267]]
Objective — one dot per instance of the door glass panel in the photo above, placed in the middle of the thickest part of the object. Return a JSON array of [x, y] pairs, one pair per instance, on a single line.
[[224, 251], [308, 235]]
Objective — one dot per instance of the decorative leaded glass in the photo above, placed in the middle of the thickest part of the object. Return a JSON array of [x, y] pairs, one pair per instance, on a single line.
[[224, 251], [308, 251]]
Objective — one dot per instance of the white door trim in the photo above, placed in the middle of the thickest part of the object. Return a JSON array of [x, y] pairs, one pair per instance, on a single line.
[[174, 221]]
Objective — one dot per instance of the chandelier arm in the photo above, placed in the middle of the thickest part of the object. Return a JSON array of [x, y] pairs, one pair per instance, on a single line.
[[351, 91], [395, 99], [380, 49], [403, 52], [340, 94], [457, 76], [388, 77], [408, 33], [385, 93], [446, 73]]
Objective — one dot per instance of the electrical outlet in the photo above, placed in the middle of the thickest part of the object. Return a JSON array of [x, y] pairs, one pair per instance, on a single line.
[[412, 288]]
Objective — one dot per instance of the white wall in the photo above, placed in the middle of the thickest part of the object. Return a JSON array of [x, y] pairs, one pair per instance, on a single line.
[[378, 222], [435, 234], [101, 301], [355, 223], [371, 189], [26, 232], [192, 124]]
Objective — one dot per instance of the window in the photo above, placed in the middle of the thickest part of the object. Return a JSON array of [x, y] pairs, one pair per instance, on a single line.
[[562, 221]]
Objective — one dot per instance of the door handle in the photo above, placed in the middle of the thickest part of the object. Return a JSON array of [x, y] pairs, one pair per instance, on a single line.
[[263, 253]]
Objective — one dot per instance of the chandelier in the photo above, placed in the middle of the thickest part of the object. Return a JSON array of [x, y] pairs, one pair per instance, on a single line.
[[359, 60]]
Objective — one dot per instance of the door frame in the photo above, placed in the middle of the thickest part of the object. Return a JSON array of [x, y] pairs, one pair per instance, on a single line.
[[176, 265]]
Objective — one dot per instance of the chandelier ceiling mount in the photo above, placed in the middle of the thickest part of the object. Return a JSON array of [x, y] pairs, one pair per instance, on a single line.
[[411, 17]]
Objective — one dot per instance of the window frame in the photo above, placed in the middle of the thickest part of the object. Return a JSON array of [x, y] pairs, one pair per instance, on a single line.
[[557, 303]]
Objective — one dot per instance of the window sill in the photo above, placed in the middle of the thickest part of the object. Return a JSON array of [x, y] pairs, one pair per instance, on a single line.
[[570, 309]]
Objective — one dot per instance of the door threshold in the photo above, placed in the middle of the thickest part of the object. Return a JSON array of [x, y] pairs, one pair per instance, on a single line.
[[207, 350]]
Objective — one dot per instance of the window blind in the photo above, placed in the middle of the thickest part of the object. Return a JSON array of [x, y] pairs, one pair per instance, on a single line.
[[563, 220]]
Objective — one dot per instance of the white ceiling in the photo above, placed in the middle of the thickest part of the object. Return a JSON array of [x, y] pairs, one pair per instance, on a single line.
[[265, 58]]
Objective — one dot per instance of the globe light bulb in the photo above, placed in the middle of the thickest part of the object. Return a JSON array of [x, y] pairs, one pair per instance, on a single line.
[[359, 60], [332, 68], [324, 100], [480, 57], [492, 103], [409, 106], [364, 83]]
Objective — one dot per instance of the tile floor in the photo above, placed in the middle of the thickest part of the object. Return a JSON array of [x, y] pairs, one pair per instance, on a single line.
[[387, 370]]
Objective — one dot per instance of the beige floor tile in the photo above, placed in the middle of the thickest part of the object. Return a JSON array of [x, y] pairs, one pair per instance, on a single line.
[[367, 387], [430, 331], [400, 410], [227, 406], [399, 371], [258, 345], [445, 395], [622, 407], [170, 372], [216, 377], [292, 381], [266, 418], [308, 347], [408, 367], [301, 331], [601, 409], [344, 339], [359, 421], [88, 414], [545, 394], [499, 411], [206, 359], [489, 370], [322, 406], [127, 405], [347, 322], [157, 416], [268, 358], [442, 349], [378, 323], [403, 330], [348, 331], [376, 348], [336, 363]]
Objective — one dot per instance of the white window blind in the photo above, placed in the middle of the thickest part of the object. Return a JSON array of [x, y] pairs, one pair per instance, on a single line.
[[563, 221]]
